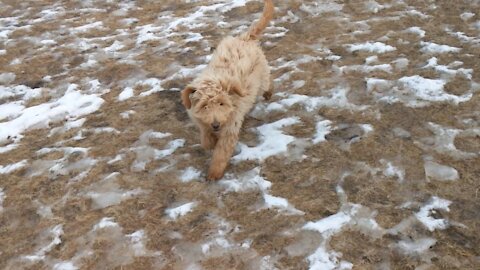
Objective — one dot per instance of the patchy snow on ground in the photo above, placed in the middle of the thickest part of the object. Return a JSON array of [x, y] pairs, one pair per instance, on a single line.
[[436, 171], [274, 141], [372, 47], [432, 205], [182, 210], [54, 234], [13, 167], [190, 174], [431, 47], [369, 142], [72, 105]]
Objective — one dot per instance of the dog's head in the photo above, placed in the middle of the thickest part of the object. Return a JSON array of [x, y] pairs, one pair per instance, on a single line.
[[210, 102]]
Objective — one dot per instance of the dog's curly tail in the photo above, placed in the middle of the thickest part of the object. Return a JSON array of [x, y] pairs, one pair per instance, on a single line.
[[257, 28]]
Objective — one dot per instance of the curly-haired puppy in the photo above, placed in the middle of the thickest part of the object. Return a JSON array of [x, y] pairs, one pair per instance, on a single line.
[[218, 99]]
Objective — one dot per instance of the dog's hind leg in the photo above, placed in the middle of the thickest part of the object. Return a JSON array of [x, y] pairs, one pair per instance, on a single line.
[[221, 155]]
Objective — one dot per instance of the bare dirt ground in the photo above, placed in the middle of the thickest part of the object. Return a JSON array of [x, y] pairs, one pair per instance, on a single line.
[[367, 156]]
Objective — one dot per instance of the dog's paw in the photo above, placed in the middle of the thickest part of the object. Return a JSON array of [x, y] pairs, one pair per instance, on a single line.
[[267, 95], [214, 174]]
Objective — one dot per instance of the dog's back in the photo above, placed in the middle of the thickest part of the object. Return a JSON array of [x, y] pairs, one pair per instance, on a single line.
[[242, 58]]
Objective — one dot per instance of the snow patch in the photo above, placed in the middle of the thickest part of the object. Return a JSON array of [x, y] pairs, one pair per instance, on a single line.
[[13, 167], [272, 141], [447, 70], [337, 99], [430, 47], [414, 91], [126, 94], [252, 180], [320, 7], [64, 266], [416, 30], [145, 153], [393, 171], [7, 78], [443, 141], [107, 192], [180, 211], [52, 235], [323, 128], [371, 47], [467, 16], [436, 171], [416, 247], [105, 223], [433, 204], [70, 106], [190, 174]]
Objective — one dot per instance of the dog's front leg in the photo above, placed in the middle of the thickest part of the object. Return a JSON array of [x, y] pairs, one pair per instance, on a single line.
[[221, 155], [207, 139]]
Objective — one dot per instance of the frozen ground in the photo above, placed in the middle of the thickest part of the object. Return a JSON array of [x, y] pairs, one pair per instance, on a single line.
[[367, 156]]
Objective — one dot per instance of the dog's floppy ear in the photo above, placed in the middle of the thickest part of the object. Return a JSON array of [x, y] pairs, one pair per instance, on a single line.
[[233, 87], [186, 96]]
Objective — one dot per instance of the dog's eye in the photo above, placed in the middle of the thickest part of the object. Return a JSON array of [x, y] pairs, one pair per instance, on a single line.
[[221, 104]]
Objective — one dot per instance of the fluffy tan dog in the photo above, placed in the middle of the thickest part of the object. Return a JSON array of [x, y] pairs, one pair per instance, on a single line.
[[218, 99]]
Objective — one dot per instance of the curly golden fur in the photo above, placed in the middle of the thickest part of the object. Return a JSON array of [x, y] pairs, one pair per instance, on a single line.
[[218, 99]]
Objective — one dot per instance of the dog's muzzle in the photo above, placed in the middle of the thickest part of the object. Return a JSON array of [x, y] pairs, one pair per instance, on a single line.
[[215, 126]]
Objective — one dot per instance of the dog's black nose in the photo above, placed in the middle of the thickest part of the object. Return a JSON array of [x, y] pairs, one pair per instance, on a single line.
[[216, 126]]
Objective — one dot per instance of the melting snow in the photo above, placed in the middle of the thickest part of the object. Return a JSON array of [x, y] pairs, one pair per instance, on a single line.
[[126, 94], [190, 174], [13, 167], [338, 99], [416, 247], [107, 192], [105, 223], [181, 210], [64, 266], [272, 141], [393, 171], [72, 105], [146, 153], [435, 171], [372, 47], [53, 234], [414, 91], [433, 63], [430, 47], [126, 115], [443, 141], [323, 128], [330, 225], [7, 78], [319, 7], [75, 160], [251, 180], [433, 204], [467, 16], [352, 215], [416, 30]]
